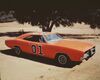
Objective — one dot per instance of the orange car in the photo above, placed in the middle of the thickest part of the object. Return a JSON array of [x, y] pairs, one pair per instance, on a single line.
[[53, 46]]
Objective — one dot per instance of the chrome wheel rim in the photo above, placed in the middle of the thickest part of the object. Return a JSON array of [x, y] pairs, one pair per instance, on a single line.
[[62, 59]]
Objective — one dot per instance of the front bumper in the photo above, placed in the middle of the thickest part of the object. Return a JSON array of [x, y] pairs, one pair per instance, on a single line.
[[89, 53]]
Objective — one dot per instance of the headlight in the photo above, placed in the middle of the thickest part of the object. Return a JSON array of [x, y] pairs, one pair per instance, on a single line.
[[85, 55]]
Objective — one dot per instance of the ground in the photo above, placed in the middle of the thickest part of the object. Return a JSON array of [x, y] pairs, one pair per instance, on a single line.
[[29, 67]]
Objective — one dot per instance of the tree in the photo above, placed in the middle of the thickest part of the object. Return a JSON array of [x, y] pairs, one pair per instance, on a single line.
[[46, 19], [47, 13]]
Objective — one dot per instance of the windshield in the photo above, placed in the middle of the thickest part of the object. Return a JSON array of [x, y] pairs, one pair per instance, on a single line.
[[52, 37]]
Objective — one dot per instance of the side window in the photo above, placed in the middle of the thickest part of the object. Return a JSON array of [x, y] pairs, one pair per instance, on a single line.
[[29, 38], [42, 39], [34, 38]]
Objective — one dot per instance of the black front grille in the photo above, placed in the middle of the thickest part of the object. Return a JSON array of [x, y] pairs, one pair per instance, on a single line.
[[90, 52], [93, 49]]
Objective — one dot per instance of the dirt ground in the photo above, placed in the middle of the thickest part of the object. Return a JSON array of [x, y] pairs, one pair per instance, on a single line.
[[29, 67]]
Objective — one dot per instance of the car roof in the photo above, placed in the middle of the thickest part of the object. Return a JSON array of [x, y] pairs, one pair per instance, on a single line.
[[35, 33]]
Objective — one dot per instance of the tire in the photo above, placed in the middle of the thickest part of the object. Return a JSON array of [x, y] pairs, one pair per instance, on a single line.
[[62, 59], [17, 50]]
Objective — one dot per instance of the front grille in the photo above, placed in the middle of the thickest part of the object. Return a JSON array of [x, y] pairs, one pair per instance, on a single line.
[[90, 52]]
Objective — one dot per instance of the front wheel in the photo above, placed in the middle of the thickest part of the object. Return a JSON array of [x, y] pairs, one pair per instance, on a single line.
[[62, 59]]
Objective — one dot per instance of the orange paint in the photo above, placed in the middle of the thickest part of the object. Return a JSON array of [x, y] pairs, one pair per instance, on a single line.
[[75, 49]]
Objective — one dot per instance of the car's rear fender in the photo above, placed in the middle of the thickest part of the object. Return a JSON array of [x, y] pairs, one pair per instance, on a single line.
[[9, 43], [12, 43]]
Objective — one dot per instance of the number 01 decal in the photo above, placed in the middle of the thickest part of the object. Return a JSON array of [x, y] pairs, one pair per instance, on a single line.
[[34, 49]]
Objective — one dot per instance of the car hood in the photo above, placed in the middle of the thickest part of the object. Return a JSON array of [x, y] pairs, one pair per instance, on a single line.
[[74, 44]]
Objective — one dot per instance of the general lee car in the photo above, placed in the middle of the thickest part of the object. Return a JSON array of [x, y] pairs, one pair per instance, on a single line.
[[53, 46]]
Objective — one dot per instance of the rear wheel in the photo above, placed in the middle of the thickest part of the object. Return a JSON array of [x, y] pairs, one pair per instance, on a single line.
[[62, 59], [17, 50]]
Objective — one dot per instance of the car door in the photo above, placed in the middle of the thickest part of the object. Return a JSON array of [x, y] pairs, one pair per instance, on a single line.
[[31, 46], [38, 47]]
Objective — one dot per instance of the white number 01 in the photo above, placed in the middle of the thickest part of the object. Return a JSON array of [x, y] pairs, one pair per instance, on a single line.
[[34, 49]]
